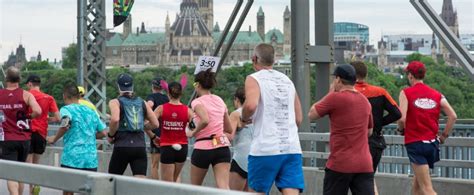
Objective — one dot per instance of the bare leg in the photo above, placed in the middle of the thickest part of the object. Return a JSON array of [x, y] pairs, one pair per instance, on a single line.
[[177, 171], [375, 188], [32, 158], [197, 175], [221, 175], [140, 176], [290, 191], [155, 165], [423, 179], [68, 193], [13, 187], [167, 172], [237, 182]]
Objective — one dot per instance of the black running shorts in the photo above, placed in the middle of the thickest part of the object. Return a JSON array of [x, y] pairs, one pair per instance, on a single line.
[[204, 158], [123, 156]]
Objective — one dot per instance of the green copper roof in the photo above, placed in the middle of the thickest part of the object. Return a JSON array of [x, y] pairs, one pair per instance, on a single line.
[[275, 33], [260, 12], [216, 28], [243, 37], [115, 41], [144, 39]]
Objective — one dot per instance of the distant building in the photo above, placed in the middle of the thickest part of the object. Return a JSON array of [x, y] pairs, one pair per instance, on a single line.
[[351, 41], [191, 36], [450, 17], [17, 59]]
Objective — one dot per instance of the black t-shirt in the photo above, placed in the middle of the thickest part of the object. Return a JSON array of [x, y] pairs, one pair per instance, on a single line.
[[157, 99]]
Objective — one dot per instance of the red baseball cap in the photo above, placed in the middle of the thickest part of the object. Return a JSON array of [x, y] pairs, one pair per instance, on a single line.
[[416, 68]]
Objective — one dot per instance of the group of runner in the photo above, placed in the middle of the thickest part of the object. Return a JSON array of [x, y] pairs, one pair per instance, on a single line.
[[263, 129]]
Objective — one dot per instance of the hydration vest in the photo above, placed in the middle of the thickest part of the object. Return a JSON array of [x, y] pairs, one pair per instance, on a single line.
[[132, 114]]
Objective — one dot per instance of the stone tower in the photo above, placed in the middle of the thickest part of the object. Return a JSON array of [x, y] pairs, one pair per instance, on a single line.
[[206, 10], [382, 58], [287, 31], [39, 58], [434, 52], [261, 23], [20, 56], [127, 27], [450, 17]]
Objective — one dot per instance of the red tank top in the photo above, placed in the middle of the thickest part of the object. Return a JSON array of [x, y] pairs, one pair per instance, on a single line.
[[174, 119], [423, 113], [15, 125]]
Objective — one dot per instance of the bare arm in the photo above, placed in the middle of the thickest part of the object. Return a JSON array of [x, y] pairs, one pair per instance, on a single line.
[[153, 121], [298, 110], [234, 119], [201, 112], [150, 103], [252, 93], [31, 101], [100, 134], [227, 126], [313, 113], [55, 118], [114, 106], [53, 139], [452, 116], [403, 109]]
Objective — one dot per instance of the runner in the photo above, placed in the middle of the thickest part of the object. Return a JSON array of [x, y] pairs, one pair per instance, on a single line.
[[80, 127], [381, 102], [242, 139], [420, 106], [212, 122], [349, 165], [126, 129], [273, 106], [174, 117], [15, 133], [154, 100], [39, 125]]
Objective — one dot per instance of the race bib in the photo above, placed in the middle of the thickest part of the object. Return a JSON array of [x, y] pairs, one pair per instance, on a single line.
[[220, 141], [206, 62]]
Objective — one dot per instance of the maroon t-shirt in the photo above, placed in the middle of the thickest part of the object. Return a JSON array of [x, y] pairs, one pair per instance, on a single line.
[[350, 114], [14, 120]]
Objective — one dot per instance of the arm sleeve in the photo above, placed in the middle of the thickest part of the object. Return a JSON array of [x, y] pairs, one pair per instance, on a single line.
[[326, 105], [53, 107], [65, 112], [100, 125], [391, 107]]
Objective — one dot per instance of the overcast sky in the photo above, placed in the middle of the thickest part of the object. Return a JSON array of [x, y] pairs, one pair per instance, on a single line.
[[48, 25]]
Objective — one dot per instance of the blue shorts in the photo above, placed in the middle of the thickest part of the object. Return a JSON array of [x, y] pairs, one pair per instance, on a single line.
[[421, 153], [285, 170]]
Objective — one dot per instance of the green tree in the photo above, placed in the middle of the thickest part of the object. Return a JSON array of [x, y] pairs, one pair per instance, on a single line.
[[70, 59], [34, 65]]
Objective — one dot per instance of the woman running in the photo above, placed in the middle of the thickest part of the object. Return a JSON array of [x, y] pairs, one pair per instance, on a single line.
[[242, 138], [212, 145], [174, 117]]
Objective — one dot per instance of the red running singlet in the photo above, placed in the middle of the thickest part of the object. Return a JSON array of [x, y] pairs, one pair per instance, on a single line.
[[173, 121]]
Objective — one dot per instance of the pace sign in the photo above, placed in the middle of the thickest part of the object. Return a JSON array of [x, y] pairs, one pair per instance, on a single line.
[[206, 62]]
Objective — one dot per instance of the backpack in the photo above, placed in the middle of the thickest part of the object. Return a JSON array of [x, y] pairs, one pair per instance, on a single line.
[[132, 113]]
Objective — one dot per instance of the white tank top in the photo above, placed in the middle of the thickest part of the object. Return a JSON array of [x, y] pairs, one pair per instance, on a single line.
[[275, 129]]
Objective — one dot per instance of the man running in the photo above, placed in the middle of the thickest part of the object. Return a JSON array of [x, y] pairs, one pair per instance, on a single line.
[[80, 127], [349, 165], [39, 125], [15, 131], [381, 101], [154, 100], [127, 127], [274, 108], [420, 106]]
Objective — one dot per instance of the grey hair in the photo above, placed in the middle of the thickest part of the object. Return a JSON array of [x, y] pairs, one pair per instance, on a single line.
[[265, 54]]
